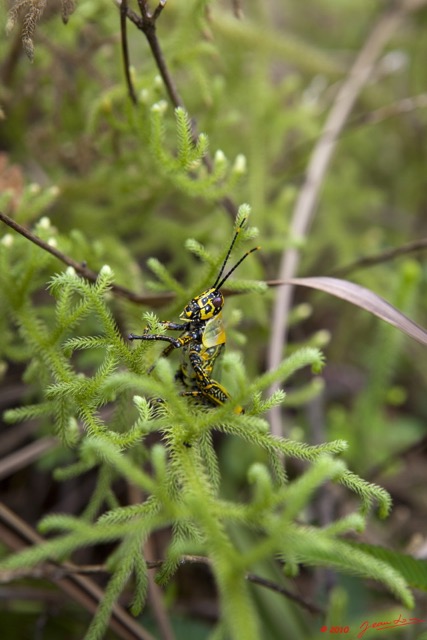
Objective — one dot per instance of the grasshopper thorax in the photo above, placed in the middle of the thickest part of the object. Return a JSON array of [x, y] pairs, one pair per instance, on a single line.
[[204, 306]]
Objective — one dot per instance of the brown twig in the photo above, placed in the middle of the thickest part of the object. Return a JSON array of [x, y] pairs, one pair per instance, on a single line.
[[380, 258], [255, 579], [406, 105], [125, 50], [147, 24], [148, 27], [320, 160], [154, 300], [273, 586], [61, 571]]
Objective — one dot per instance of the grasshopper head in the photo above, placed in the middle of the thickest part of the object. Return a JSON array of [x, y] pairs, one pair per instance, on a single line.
[[209, 304], [204, 306]]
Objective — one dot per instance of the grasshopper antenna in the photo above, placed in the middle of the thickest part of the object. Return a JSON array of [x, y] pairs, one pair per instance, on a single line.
[[218, 284], [238, 230]]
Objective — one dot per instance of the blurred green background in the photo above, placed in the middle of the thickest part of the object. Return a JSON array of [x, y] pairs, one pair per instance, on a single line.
[[73, 148]]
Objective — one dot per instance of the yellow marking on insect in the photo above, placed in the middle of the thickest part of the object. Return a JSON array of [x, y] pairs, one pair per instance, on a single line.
[[202, 338]]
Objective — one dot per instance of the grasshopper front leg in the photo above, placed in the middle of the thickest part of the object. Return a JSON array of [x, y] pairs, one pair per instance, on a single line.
[[171, 326], [175, 343]]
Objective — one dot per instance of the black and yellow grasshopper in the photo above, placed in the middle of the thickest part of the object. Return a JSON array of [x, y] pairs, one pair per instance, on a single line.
[[202, 338]]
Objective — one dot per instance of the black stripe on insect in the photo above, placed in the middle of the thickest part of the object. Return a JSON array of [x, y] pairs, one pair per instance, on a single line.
[[202, 338]]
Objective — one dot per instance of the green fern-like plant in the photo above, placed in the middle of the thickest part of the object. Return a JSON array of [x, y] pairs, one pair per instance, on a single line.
[[177, 155], [183, 489], [185, 168]]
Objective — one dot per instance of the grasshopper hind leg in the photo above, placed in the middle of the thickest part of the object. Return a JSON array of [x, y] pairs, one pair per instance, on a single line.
[[209, 399]]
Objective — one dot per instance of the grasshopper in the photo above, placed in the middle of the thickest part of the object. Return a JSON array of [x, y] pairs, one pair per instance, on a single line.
[[202, 338]]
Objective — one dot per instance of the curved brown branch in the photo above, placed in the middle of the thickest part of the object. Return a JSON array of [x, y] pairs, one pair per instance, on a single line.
[[154, 300]]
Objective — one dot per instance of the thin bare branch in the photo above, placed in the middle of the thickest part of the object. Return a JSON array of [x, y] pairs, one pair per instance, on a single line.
[[320, 160], [252, 577], [406, 105], [273, 586], [380, 258], [154, 300], [159, 9], [147, 24], [61, 571], [125, 50]]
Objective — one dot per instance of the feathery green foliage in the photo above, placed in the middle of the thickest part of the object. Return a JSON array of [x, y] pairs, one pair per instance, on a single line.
[[136, 181], [184, 489]]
